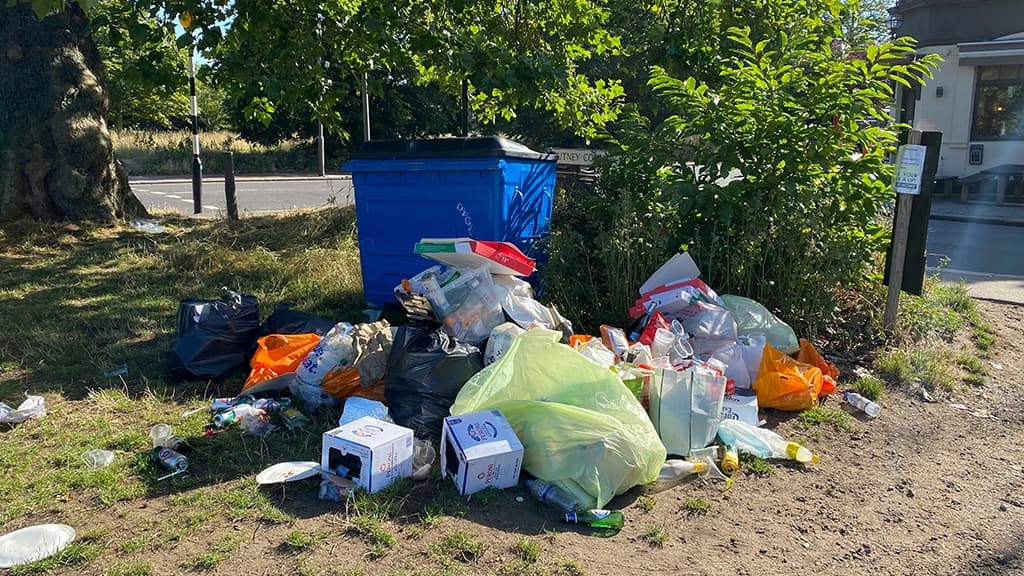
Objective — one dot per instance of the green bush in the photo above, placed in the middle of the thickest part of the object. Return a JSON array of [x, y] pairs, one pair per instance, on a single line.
[[807, 131]]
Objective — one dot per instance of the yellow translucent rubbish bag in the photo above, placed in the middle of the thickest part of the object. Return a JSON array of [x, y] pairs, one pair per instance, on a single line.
[[581, 428]]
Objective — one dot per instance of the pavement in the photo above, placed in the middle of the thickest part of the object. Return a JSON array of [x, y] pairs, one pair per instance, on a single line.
[[254, 194]]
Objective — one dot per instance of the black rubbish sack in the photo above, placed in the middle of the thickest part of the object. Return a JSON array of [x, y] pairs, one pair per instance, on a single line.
[[215, 338], [426, 370], [284, 320]]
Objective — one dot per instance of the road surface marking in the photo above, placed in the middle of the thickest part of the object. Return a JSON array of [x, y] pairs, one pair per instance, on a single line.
[[185, 200], [986, 275], [208, 207], [175, 196]]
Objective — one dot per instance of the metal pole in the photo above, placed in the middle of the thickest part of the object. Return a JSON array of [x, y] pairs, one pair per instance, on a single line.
[[366, 108], [465, 107], [229, 185], [320, 148], [197, 164]]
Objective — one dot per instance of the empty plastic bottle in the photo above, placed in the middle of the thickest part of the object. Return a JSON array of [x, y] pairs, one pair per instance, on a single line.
[[553, 495], [863, 404], [761, 442], [613, 519]]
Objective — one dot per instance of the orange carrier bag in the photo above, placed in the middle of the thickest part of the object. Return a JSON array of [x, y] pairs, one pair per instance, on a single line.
[[809, 355], [786, 384], [278, 354]]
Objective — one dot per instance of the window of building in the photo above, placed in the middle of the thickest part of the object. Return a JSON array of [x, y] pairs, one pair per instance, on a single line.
[[999, 103]]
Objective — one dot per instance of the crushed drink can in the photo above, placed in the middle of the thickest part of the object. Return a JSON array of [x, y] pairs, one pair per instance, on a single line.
[[179, 445], [169, 459]]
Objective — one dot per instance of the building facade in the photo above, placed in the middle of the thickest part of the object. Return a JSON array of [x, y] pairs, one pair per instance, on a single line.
[[976, 98]]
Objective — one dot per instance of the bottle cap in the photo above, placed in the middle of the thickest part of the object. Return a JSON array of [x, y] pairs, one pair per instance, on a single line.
[[700, 467]]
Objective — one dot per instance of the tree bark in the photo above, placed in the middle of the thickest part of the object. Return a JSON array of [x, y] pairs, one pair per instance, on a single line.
[[56, 156]]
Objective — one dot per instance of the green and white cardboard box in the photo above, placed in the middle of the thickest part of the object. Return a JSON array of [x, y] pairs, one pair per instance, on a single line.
[[383, 451], [480, 450]]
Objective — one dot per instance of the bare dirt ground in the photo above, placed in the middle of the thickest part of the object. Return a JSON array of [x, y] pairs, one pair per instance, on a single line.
[[927, 488]]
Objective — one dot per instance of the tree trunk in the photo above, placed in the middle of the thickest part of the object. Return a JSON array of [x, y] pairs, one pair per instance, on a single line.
[[56, 156]]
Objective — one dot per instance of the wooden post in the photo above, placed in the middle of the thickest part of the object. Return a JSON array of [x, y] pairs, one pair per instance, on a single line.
[[899, 249]]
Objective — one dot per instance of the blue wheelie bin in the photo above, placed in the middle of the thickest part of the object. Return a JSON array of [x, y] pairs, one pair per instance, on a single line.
[[484, 188]]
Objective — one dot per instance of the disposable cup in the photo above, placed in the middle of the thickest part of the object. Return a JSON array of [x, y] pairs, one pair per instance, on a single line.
[[160, 433]]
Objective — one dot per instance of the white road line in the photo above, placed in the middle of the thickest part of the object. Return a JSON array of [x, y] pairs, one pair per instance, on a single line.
[[185, 200], [986, 275], [208, 207], [153, 192], [175, 196]]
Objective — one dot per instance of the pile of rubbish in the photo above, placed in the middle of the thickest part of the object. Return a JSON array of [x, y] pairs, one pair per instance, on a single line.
[[489, 384]]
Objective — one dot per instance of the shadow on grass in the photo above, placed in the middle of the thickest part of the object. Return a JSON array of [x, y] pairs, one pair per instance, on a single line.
[[79, 301]]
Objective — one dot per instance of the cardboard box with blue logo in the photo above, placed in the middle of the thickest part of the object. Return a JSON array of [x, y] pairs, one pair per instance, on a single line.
[[371, 452], [479, 451]]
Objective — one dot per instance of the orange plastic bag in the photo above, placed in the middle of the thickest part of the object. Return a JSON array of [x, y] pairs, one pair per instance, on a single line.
[[344, 382], [786, 384], [278, 354], [809, 355]]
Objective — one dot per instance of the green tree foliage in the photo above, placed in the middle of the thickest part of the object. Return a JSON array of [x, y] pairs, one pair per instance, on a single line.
[[807, 131], [146, 71]]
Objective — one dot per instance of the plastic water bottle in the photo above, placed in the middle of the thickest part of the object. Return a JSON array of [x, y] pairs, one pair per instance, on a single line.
[[613, 519], [553, 495], [863, 404], [761, 442]]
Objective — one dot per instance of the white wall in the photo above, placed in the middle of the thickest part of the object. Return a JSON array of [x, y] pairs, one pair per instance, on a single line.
[[951, 115]]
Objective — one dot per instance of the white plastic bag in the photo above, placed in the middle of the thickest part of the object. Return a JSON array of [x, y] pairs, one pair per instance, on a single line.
[[517, 301], [31, 408]]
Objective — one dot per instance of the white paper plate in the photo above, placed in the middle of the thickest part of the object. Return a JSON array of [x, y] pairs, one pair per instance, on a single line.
[[34, 543], [288, 472]]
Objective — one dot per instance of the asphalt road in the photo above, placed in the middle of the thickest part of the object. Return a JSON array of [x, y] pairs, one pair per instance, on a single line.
[[253, 196], [976, 247]]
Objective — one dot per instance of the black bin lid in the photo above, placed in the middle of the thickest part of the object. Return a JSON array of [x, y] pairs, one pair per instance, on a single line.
[[478, 147]]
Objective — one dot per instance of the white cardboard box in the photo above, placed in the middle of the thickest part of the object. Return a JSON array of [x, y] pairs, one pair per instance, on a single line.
[[376, 452], [480, 450]]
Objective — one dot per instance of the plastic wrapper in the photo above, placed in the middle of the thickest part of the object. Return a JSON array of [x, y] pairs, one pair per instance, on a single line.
[[426, 370], [753, 318], [500, 341], [31, 407], [215, 338], [581, 428]]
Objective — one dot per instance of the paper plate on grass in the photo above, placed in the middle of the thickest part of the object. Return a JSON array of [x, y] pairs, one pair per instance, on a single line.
[[288, 472], [34, 543]]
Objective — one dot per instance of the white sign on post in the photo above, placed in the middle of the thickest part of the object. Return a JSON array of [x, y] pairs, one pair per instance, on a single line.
[[909, 169]]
